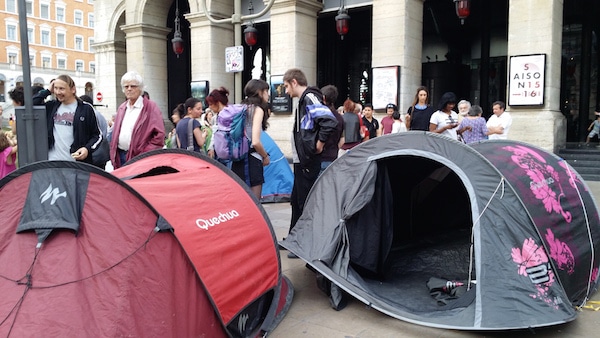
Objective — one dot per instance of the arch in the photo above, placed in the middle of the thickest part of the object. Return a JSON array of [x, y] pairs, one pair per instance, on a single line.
[[39, 80], [152, 12], [2, 77], [116, 21]]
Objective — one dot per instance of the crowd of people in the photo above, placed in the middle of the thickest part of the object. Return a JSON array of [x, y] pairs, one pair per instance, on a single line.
[[77, 132]]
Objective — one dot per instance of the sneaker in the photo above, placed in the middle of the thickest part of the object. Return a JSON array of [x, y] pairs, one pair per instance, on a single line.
[[291, 255]]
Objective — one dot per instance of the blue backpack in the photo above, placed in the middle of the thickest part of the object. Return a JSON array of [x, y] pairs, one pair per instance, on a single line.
[[230, 139]]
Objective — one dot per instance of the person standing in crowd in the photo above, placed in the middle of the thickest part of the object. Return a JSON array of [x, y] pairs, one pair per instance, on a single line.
[[332, 146], [399, 126], [193, 109], [207, 126], [370, 122], [218, 99], [463, 109], [8, 155], [352, 121], [251, 170], [139, 126], [473, 127], [499, 123], [387, 121], [307, 144], [445, 120], [419, 114], [176, 115], [101, 155], [73, 132]]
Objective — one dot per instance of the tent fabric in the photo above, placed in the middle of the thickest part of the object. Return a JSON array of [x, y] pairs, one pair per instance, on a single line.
[[153, 254], [516, 222], [279, 178]]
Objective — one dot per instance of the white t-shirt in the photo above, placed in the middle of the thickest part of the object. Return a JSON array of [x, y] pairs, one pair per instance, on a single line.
[[398, 127], [63, 133], [131, 115], [504, 120], [442, 119]]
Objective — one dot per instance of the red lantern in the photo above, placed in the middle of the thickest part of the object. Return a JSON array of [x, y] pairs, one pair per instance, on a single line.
[[342, 22], [251, 36], [177, 44], [462, 9]]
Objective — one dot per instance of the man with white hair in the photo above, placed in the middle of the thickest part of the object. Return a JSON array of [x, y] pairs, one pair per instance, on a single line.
[[139, 126]]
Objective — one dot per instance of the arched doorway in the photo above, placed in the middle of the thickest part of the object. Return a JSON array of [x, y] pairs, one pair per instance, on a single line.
[[178, 66], [580, 89]]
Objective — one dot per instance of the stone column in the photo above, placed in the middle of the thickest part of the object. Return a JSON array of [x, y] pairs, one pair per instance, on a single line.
[[534, 27], [109, 70], [398, 41], [293, 45], [147, 54], [208, 42]]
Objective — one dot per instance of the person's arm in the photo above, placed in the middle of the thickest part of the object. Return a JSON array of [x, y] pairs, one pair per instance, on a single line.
[[256, 131], [591, 126], [199, 135]]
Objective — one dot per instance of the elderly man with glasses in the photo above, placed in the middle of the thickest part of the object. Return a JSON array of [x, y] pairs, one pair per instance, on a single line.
[[139, 126]]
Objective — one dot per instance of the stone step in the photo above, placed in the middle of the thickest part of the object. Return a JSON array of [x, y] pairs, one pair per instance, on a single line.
[[583, 163]]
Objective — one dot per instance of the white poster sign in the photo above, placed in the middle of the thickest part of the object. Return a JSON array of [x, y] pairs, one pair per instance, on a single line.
[[526, 80], [234, 59], [385, 86]]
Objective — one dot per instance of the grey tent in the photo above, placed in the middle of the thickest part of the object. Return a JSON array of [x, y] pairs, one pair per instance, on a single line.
[[512, 222]]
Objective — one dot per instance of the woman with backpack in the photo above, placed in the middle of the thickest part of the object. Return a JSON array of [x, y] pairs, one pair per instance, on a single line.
[[189, 134], [251, 168]]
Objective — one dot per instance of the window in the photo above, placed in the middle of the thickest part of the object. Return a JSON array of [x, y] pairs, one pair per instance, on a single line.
[[91, 44], [79, 66], [78, 18], [30, 35], [61, 63], [11, 32], [45, 11], [78, 42], [31, 60], [91, 2], [93, 67], [60, 40], [46, 61], [91, 20], [11, 6], [29, 7], [60, 14], [45, 38], [12, 58]]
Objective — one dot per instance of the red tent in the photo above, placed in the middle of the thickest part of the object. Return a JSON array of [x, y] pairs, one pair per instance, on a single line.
[[176, 247]]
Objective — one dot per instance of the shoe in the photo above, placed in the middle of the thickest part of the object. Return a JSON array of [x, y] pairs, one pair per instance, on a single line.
[[292, 256]]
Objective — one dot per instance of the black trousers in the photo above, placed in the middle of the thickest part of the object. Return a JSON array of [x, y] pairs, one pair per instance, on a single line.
[[304, 178]]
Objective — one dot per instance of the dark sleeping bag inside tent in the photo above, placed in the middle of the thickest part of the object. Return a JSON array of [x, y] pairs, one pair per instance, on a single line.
[[417, 226]]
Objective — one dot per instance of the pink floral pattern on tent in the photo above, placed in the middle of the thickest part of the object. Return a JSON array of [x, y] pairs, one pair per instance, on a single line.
[[573, 179], [560, 253], [533, 263], [544, 179]]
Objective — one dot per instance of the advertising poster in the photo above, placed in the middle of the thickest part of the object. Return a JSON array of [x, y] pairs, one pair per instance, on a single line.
[[526, 80], [234, 59], [386, 85], [280, 101]]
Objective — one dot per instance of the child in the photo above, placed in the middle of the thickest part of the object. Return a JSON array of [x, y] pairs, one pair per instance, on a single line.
[[8, 155], [596, 128], [398, 126]]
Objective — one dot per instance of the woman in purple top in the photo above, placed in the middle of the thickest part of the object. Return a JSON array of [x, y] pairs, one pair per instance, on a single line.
[[473, 127]]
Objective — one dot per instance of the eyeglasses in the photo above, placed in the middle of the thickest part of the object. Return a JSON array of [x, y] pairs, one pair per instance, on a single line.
[[130, 86]]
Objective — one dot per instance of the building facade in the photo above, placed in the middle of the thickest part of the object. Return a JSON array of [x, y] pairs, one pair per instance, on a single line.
[[61, 38], [392, 47]]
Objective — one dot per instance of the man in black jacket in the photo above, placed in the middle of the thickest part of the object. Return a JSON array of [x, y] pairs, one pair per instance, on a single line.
[[308, 138], [73, 132]]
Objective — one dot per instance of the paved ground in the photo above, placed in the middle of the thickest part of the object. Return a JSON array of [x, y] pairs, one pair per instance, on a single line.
[[311, 315]]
